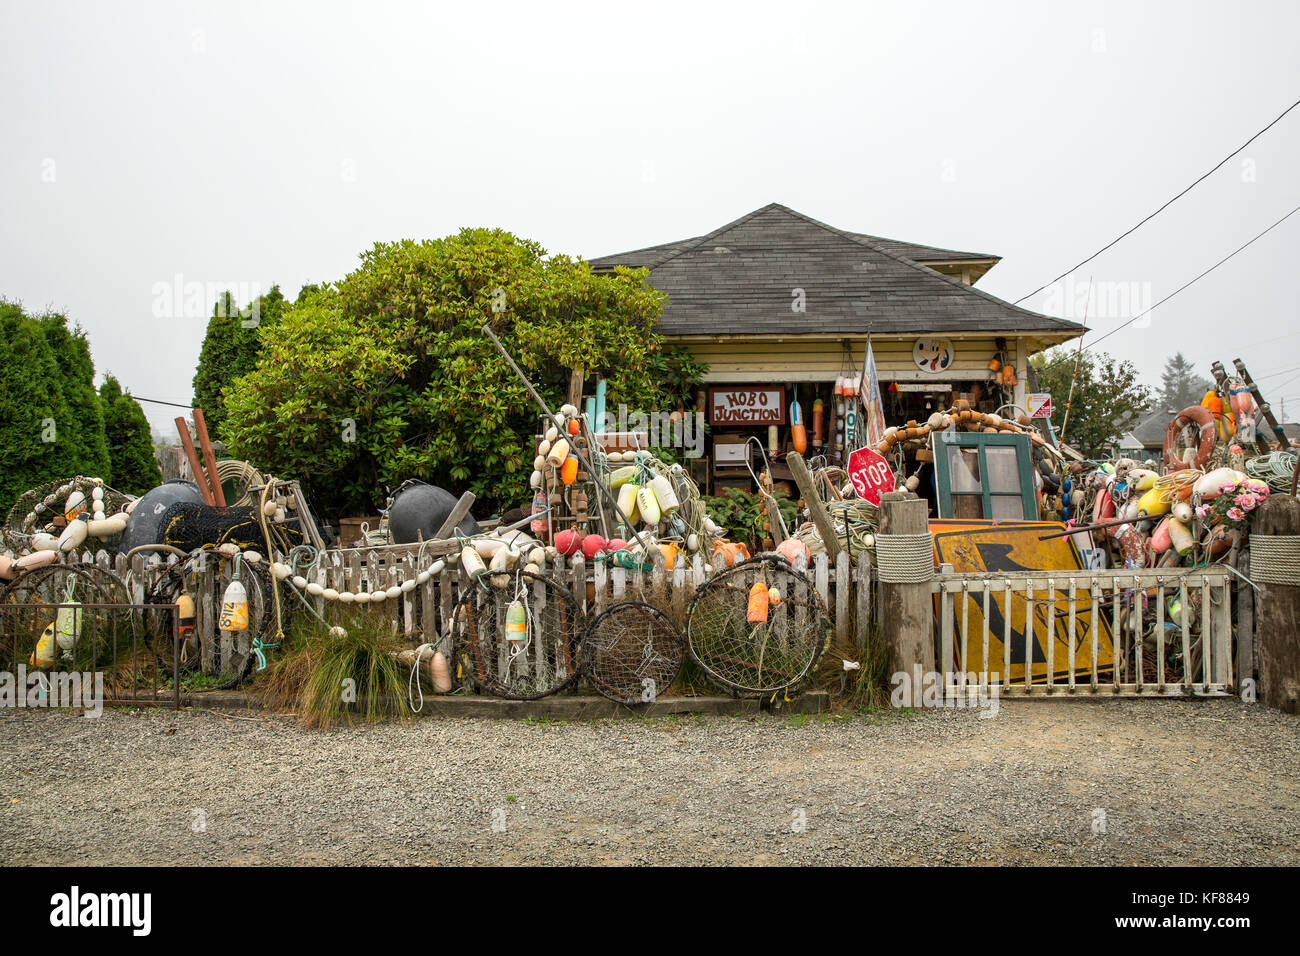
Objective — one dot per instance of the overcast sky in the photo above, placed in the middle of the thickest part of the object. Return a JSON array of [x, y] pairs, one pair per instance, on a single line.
[[246, 144]]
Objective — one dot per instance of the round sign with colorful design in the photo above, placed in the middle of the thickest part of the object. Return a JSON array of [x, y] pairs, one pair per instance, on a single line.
[[932, 354]]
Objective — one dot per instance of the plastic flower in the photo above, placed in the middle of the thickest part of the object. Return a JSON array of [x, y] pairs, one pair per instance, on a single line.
[[1236, 514], [1202, 511], [1247, 501], [1230, 487]]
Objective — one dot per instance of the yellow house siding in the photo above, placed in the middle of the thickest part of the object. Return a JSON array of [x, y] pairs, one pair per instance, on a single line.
[[756, 360]]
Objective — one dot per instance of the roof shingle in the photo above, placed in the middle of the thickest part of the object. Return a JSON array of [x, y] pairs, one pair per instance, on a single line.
[[741, 279]]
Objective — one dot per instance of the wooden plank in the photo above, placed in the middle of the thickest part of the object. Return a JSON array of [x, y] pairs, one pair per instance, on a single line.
[[808, 491], [862, 585], [843, 587], [193, 457], [455, 516], [209, 459]]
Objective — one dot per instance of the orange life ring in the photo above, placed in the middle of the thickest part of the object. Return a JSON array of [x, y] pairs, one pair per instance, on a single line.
[[1192, 415]]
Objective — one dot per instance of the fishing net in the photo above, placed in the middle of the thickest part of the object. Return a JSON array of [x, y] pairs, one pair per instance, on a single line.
[[518, 663], [747, 652], [190, 526], [632, 652], [36, 509]]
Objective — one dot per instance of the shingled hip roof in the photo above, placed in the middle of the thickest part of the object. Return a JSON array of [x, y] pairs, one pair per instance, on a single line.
[[741, 280]]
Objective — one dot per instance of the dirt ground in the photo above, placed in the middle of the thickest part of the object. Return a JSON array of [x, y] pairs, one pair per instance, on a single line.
[[1213, 782]]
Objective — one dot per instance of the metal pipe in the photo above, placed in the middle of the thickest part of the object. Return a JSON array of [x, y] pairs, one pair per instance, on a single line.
[[550, 416]]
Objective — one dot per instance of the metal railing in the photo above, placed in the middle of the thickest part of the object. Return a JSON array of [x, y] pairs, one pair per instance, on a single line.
[[128, 644], [1134, 633]]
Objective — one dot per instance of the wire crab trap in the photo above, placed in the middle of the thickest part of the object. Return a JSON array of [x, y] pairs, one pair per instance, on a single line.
[[51, 506], [71, 617], [632, 652], [758, 628], [518, 637], [224, 654]]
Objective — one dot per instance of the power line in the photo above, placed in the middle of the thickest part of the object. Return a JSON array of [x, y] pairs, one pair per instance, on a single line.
[[158, 401], [1130, 232], [1125, 325]]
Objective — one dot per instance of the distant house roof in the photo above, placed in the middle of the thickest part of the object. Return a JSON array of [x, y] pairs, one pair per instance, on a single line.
[[1150, 429], [742, 277]]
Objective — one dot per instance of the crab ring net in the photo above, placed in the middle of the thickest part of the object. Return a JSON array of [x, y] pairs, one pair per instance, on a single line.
[[229, 657], [37, 508], [762, 657], [104, 635], [541, 659], [632, 652]]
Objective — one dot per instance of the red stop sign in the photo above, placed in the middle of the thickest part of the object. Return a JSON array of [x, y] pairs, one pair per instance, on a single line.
[[870, 474]]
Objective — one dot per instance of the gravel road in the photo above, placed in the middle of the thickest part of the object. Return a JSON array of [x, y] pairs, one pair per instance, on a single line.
[[1173, 782]]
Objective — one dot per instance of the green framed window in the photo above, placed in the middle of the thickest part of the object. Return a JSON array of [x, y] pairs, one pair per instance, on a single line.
[[984, 476]]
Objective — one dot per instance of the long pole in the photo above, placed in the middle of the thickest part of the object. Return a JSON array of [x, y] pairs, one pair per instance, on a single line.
[[582, 460]]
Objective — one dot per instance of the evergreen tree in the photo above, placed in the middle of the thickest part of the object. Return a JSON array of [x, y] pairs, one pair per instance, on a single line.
[[130, 445], [31, 408], [230, 349], [1180, 386], [51, 424], [84, 427]]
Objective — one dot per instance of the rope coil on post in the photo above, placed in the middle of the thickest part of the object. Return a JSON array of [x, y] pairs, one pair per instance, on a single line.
[[905, 558], [1275, 558]]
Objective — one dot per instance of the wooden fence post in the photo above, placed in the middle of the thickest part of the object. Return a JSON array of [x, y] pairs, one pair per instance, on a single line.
[[906, 608], [1277, 648]]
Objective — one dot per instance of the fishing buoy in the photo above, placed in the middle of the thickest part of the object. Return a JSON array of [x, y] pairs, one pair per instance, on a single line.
[[664, 494], [186, 617], [756, 613], [516, 622], [1210, 485], [472, 561], [1241, 400], [107, 527], [1180, 536], [441, 673], [568, 542], [627, 500], [1151, 503], [798, 432], [621, 476], [74, 505], [6, 566], [75, 533], [648, 505], [772, 440], [234, 608], [559, 451], [43, 541], [774, 596], [569, 470], [592, 545], [43, 657]]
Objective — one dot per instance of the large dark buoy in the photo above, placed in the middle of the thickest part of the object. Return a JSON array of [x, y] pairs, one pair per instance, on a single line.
[[145, 524], [418, 510]]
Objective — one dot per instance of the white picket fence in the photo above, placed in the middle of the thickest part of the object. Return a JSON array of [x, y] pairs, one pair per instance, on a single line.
[[1094, 619]]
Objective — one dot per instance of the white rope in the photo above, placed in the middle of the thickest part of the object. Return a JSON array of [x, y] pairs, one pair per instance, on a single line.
[[1275, 558], [905, 558], [413, 685]]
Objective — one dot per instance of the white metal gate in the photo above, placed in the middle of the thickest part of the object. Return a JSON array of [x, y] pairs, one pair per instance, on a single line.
[[1084, 633]]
